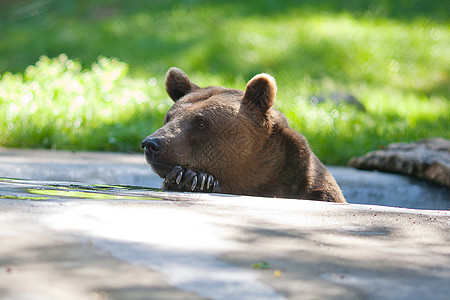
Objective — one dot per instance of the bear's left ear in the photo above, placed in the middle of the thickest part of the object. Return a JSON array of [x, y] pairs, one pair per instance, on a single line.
[[178, 84], [261, 91]]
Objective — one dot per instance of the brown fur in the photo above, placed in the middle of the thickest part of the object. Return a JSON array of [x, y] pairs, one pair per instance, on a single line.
[[240, 139]]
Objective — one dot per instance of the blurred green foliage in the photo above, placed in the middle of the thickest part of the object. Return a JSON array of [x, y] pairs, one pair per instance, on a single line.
[[56, 104], [391, 55]]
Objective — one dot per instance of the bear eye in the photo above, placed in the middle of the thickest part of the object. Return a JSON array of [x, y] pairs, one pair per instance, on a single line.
[[200, 123]]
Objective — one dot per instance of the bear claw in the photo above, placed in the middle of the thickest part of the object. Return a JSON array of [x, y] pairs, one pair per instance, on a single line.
[[179, 176], [210, 181], [194, 183], [202, 184], [186, 180], [215, 186]]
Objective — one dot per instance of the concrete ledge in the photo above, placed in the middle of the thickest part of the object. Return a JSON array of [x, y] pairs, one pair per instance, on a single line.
[[77, 241]]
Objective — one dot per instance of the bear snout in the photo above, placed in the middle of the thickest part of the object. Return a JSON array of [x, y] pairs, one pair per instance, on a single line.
[[152, 145]]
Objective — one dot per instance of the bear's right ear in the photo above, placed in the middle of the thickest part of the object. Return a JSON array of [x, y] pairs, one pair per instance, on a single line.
[[178, 84], [260, 92]]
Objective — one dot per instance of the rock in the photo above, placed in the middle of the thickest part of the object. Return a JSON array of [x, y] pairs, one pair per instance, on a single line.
[[425, 159]]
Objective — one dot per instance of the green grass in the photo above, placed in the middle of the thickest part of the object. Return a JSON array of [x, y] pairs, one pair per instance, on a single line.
[[56, 104], [391, 55]]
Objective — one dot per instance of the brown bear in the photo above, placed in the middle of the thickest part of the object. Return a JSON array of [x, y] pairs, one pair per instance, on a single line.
[[216, 139]]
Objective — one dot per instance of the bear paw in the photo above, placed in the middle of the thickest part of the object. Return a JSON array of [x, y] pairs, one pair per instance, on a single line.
[[184, 180]]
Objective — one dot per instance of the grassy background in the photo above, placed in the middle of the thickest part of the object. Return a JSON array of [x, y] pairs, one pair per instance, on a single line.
[[106, 91]]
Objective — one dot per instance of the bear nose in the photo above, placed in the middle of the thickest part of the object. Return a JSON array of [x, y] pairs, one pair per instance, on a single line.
[[151, 144]]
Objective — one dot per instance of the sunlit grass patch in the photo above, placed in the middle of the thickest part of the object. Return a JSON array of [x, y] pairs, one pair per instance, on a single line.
[[56, 104], [338, 132]]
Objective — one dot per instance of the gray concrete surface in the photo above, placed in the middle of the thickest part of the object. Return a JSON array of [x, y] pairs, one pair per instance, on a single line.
[[69, 240], [87, 167]]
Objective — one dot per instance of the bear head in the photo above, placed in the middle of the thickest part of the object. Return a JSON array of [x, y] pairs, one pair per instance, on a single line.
[[216, 130]]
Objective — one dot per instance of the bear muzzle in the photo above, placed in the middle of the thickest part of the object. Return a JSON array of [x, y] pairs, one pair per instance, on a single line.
[[153, 148], [153, 152], [152, 145]]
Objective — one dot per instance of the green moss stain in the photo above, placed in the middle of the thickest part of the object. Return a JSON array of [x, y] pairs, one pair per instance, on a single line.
[[67, 193]]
